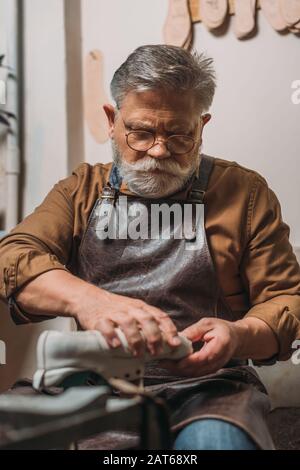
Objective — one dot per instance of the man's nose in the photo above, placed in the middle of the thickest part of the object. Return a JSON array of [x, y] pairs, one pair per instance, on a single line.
[[159, 150]]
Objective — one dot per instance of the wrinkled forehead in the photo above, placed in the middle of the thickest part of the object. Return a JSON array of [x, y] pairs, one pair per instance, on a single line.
[[152, 107]]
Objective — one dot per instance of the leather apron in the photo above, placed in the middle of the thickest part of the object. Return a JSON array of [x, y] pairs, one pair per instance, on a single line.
[[177, 275]]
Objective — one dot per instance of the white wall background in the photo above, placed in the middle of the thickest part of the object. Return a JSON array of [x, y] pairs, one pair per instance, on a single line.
[[3, 76], [45, 99], [254, 121], [45, 154]]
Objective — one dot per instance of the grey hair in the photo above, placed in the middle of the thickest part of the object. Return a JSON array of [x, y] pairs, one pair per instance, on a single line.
[[164, 67]]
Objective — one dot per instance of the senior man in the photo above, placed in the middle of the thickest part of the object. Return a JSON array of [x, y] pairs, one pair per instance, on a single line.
[[231, 283]]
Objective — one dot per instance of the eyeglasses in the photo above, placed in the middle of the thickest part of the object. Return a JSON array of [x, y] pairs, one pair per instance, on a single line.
[[142, 141]]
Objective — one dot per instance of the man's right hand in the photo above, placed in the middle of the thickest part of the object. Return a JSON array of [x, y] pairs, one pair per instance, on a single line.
[[142, 324], [60, 293]]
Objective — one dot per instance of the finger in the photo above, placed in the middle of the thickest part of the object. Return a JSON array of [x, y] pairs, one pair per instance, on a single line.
[[150, 330], [200, 358], [210, 352], [166, 325], [107, 328], [131, 330], [196, 331]]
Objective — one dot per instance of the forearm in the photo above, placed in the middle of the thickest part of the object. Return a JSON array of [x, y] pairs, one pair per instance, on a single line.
[[59, 293], [256, 340], [55, 293]]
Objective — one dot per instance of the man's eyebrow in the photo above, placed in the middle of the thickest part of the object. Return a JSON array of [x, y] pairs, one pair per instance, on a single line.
[[180, 128], [147, 125], [139, 124]]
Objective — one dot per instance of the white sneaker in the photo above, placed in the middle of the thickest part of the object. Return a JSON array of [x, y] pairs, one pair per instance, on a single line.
[[60, 355]]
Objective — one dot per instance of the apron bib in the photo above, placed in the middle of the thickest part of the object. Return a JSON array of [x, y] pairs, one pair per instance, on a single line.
[[129, 250]]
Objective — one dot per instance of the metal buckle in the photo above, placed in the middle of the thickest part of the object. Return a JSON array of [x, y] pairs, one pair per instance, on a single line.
[[108, 193], [197, 195]]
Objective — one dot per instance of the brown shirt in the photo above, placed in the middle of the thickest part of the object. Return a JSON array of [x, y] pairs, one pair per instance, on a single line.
[[257, 269]]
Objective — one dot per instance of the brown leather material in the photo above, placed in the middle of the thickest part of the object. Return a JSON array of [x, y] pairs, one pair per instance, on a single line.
[[232, 394], [235, 395], [184, 284]]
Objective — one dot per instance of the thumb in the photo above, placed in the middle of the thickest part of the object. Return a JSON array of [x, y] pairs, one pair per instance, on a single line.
[[196, 331]]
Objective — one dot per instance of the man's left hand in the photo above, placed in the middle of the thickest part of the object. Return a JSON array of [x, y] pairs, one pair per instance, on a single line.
[[221, 340]]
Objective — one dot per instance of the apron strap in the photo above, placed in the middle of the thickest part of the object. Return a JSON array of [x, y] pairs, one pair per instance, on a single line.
[[110, 191], [201, 182], [115, 178]]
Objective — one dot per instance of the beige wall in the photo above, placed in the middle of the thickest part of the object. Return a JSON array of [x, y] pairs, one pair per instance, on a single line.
[[3, 76], [45, 99], [20, 344], [282, 380], [45, 153]]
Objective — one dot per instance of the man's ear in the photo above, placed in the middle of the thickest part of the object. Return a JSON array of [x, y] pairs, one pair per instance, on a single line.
[[110, 114], [206, 118]]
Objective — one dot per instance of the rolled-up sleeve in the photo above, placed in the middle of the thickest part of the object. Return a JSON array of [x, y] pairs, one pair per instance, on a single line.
[[270, 269], [40, 243]]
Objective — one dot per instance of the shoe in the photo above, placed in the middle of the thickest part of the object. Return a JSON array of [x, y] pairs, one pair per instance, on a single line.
[[61, 355]]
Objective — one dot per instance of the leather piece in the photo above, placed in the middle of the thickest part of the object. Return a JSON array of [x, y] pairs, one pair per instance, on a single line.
[[213, 14], [95, 96], [290, 11], [178, 26], [232, 394], [244, 21], [271, 10]]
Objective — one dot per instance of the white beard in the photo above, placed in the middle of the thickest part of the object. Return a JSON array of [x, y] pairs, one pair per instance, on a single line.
[[142, 181]]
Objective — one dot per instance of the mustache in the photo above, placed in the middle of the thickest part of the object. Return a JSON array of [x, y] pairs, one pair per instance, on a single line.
[[147, 164]]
